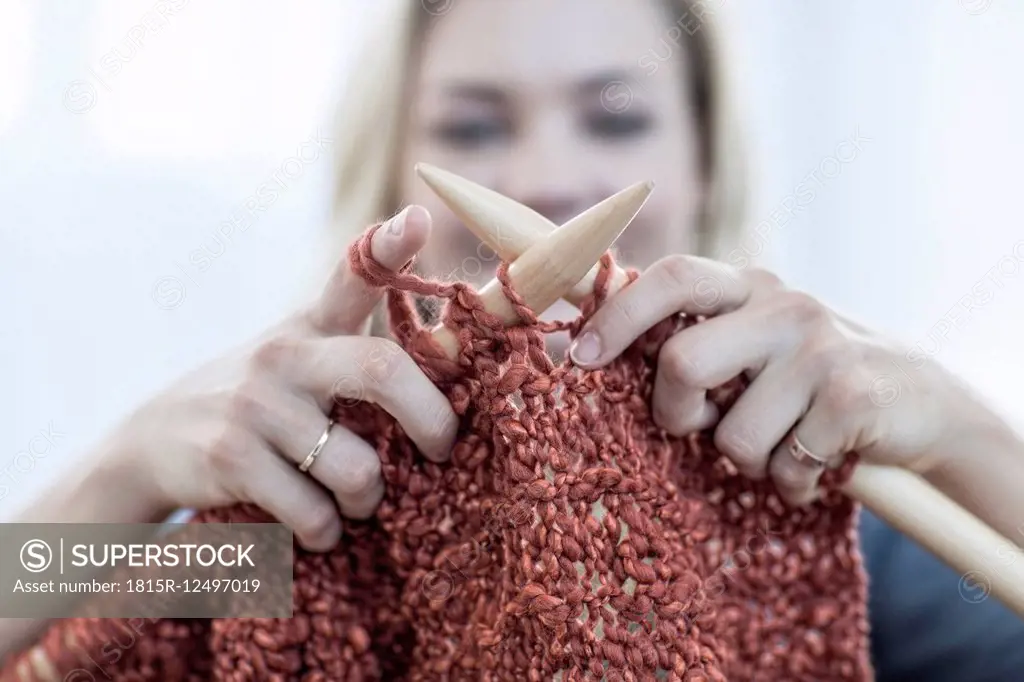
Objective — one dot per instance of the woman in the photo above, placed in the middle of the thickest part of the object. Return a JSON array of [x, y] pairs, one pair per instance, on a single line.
[[558, 104]]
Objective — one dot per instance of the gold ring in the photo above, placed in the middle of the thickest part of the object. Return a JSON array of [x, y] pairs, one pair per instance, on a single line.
[[802, 454], [318, 448]]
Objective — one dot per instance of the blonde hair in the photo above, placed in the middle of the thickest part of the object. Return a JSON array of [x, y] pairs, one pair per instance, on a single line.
[[371, 116]]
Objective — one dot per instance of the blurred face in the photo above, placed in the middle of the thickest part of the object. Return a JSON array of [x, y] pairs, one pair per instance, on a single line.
[[547, 102]]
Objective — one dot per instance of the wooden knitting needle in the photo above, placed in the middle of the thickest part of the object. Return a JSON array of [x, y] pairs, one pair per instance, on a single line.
[[988, 561], [550, 266], [504, 224]]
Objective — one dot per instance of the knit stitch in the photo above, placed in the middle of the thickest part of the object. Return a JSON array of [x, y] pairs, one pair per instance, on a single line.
[[568, 538]]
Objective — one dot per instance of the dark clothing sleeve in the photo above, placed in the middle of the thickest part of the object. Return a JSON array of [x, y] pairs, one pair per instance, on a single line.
[[925, 625]]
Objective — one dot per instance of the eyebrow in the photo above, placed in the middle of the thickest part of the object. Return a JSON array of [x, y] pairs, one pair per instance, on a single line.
[[601, 80], [477, 91], [493, 94]]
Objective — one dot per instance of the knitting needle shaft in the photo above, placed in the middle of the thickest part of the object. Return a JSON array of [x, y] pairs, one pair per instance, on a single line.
[[987, 561], [548, 267], [906, 501]]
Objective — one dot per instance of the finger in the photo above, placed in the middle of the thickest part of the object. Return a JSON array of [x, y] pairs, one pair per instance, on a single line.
[[347, 300], [763, 415], [346, 465], [687, 284], [818, 433], [705, 356], [680, 409], [362, 368], [350, 468], [273, 484], [678, 406]]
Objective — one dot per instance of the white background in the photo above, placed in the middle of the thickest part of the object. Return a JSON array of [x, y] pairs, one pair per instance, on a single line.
[[107, 183]]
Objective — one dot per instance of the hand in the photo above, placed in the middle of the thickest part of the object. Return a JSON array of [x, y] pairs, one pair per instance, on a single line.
[[235, 430], [815, 375]]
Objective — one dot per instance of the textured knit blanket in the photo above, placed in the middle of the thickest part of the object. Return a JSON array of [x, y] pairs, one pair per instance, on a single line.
[[568, 538]]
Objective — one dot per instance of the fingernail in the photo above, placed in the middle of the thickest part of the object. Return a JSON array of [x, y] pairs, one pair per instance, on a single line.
[[586, 348], [397, 223]]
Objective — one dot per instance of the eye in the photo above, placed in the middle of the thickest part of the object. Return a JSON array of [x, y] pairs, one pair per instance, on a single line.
[[472, 133], [615, 126]]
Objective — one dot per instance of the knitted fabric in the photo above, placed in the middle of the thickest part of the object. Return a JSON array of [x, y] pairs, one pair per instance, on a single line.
[[568, 538]]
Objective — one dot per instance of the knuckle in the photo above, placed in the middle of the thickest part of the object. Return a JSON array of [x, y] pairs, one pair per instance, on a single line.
[[247, 403], [740, 444], [360, 478], [846, 390], [273, 353], [823, 353], [676, 270], [381, 360], [803, 308], [318, 522], [388, 347], [226, 453], [681, 367], [675, 424], [789, 477], [765, 279], [622, 310], [443, 423]]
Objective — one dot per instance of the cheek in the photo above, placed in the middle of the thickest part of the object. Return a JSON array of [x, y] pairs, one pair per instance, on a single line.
[[667, 223], [663, 227]]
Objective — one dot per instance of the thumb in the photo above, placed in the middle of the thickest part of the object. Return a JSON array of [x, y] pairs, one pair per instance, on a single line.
[[347, 300]]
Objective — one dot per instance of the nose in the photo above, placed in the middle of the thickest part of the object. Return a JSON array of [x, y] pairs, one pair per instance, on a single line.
[[546, 170]]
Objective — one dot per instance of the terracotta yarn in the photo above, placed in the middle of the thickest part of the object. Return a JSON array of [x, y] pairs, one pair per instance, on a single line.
[[569, 538]]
